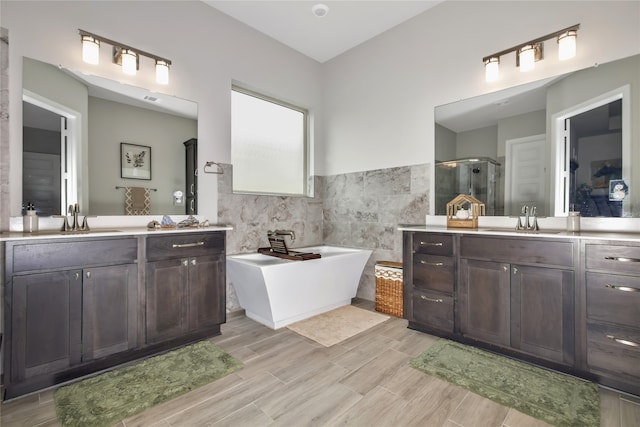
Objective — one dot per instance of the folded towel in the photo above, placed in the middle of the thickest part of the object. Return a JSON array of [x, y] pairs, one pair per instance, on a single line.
[[137, 201]]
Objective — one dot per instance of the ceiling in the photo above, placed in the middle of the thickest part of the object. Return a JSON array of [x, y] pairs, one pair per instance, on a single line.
[[346, 25]]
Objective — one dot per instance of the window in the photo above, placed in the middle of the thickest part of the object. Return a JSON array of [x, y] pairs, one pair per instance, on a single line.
[[268, 145]]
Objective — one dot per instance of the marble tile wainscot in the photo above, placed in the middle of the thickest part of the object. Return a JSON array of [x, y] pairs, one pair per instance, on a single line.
[[565, 301]]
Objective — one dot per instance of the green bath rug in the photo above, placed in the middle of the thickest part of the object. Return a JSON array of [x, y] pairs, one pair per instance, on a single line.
[[557, 399], [108, 398]]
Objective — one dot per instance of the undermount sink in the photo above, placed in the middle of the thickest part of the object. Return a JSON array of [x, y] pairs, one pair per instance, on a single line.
[[72, 232], [510, 230]]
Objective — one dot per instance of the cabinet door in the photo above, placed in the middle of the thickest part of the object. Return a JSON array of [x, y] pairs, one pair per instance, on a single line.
[[206, 292], [166, 311], [45, 323], [542, 312], [484, 301], [109, 310]]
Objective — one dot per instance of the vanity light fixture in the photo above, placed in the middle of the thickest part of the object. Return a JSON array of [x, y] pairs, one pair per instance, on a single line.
[[90, 50], [123, 55], [527, 54]]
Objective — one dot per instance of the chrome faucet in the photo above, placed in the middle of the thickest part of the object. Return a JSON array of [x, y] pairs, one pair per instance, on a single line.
[[275, 233], [530, 219]]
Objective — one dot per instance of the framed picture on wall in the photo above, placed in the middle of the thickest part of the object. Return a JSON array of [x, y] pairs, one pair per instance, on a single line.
[[135, 161]]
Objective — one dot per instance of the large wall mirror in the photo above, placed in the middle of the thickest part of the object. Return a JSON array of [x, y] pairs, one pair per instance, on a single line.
[[79, 132], [560, 144]]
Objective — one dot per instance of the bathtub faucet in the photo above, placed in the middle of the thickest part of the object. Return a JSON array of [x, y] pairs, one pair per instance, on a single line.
[[277, 233]]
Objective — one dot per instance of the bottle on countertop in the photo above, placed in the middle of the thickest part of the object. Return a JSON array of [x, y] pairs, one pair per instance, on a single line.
[[30, 219], [573, 221]]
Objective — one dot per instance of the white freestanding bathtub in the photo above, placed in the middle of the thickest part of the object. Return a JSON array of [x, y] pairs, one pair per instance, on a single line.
[[277, 292]]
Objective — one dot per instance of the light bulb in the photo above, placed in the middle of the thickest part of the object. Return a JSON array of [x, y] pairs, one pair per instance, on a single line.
[[129, 62], [492, 69], [162, 72], [527, 55], [90, 50], [567, 45]]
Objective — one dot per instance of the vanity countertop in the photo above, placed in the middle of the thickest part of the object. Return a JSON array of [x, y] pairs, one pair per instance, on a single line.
[[551, 233], [106, 232]]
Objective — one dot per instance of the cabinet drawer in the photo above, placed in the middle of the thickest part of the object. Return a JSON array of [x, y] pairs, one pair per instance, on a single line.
[[433, 309], [184, 245], [614, 258], [433, 243], [518, 251], [77, 253], [613, 298], [433, 272], [606, 354]]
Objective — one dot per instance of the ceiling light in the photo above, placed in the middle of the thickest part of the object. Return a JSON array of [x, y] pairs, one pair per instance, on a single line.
[[528, 53], [320, 10]]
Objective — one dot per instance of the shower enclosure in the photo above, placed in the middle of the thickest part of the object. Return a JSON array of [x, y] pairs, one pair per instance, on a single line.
[[476, 177]]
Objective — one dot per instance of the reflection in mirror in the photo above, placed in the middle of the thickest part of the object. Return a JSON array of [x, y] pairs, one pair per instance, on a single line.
[[73, 125], [498, 146]]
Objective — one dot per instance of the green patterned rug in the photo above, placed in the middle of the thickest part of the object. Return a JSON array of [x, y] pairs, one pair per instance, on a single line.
[[557, 399], [108, 398]]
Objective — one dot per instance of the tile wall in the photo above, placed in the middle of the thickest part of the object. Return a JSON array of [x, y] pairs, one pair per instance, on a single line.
[[360, 209]]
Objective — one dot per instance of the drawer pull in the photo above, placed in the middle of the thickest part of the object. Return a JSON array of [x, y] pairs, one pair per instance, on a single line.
[[621, 288], [621, 259], [435, 264], [623, 342], [431, 299], [430, 243], [187, 245]]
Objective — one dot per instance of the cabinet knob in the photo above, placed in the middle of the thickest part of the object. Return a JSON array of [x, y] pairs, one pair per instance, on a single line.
[[77, 276], [193, 262], [88, 274], [515, 270], [504, 268], [185, 262]]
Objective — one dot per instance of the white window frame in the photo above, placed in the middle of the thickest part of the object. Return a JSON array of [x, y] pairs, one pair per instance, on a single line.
[[307, 189]]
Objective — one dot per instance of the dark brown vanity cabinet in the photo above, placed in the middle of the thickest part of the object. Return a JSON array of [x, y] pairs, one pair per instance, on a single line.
[[519, 293], [612, 280], [429, 281], [69, 303], [186, 285]]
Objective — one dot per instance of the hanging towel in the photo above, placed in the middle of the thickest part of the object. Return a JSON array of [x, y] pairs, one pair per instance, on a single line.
[[137, 201]]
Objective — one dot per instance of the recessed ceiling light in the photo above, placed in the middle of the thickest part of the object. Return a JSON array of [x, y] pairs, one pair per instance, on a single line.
[[320, 10]]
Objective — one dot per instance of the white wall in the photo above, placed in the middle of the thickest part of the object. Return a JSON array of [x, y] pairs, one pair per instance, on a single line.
[[208, 51], [378, 99], [380, 96]]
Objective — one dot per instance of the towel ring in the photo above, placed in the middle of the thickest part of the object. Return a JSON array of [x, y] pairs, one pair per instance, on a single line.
[[219, 170]]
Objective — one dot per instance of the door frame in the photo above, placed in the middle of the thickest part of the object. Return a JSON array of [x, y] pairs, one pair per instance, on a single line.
[[560, 155]]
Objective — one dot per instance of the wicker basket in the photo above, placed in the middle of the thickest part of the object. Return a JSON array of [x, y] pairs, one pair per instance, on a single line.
[[389, 287]]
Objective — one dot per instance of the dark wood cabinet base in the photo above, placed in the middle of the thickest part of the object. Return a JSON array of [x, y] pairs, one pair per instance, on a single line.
[[106, 364]]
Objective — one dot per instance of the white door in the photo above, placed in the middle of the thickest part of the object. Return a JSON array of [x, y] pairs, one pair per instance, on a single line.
[[41, 182], [525, 174]]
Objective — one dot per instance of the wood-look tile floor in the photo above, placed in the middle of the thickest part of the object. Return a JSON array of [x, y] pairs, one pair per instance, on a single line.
[[289, 380]]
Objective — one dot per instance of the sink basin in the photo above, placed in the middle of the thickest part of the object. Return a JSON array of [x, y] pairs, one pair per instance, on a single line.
[[76, 232], [508, 230]]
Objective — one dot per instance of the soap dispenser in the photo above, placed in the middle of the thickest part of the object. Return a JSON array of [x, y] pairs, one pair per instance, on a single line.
[[30, 219]]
